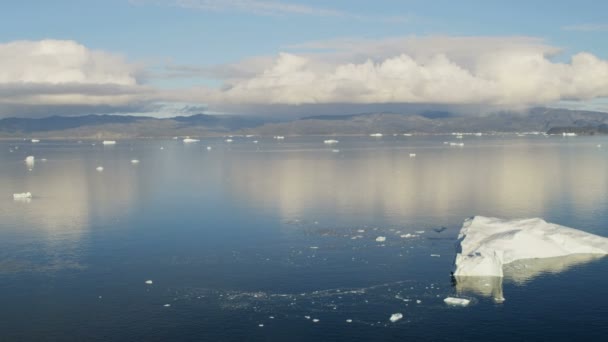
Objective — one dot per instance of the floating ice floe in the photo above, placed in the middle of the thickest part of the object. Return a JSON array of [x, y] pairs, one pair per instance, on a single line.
[[22, 196], [456, 144], [408, 235], [167, 305], [99, 168], [375, 135], [330, 141], [412, 155], [349, 320], [109, 142], [335, 151], [35, 141], [279, 137], [29, 159], [567, 134], [190, 140], [261, 325], [380, 239], [457, 301], [149, 282], [228, 140], [315, 320], [407, 135], [208, 148], [395, 317], [436, 255], [255, 141], [134, 161], [487, 244]]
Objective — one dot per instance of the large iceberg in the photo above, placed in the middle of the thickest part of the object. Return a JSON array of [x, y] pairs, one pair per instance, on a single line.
[[487, 244]]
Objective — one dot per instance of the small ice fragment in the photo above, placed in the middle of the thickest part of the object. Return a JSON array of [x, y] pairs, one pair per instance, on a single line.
[[255, 141], [360, 230], [149, 282], [420, 232], [279, 137], [271, 317], [314, 247], [208, 148], [599, 145], [109, 142], [335, 150], [29, 159], [380, 239], [375, 135], [330, 141], [418, 301], [134, 161], [412, 155], [167, 305], [162, 148], [307, 317], [190, 140], [456, 301], [228, 140], [99, 168], [261, 325], [395, 317], [23, 195], [435, 255], [34, 141], [349, 320], [315, 320]]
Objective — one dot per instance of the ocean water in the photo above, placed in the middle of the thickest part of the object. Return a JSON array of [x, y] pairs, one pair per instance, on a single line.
[[256, 242]]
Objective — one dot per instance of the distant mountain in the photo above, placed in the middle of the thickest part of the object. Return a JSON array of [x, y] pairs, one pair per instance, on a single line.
[[124, 126]]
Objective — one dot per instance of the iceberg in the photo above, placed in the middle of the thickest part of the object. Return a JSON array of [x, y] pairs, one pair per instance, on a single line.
[[29, 159], [190, 140], [457, 301], [395, 317], [22, 196], [487, 244], [109, 142], [380, 239]]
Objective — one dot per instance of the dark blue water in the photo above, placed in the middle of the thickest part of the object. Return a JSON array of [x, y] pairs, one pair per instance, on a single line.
[[283, 232]]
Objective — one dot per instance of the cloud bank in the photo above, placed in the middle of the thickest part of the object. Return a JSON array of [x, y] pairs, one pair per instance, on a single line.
[[64, 77]]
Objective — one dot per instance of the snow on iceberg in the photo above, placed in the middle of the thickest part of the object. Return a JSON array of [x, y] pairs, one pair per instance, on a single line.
[[487, 244]]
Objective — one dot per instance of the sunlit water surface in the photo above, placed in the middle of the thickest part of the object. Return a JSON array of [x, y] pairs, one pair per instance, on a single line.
[[256, 241]]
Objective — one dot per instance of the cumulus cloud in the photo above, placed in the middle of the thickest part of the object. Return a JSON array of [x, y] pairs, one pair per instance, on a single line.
[[486, 71], [63, 72]]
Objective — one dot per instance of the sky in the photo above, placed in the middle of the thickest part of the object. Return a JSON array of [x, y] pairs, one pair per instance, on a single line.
[[166, 57]]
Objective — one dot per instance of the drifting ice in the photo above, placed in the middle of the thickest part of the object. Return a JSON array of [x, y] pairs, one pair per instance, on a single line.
[[489, 243], [134, 161], [380, 239], [395, 317], [375, 135], [190, 140], [29, 159], [99, 168], [412, 155], [330, 141], [34, 141], [457, 301], [109, 142], [24, 195]]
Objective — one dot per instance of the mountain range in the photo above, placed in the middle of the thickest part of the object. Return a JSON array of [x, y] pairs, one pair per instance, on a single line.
[[550, 120]]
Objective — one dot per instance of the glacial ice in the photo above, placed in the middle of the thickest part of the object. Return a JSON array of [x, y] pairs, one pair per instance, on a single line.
[[330, 141], [487, 244], [23, 195], [109, 142], [34, 141], [380, 239], [395, 317], [375, 135], [457, 301], [190, 140], [29, 159]]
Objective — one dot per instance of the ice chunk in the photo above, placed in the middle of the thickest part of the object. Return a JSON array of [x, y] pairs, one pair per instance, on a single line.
[[412, 155], [167, 305], [255, 141], [149, 282], [395, 317], [23, 195], [489, 243], [435, 255], [109, 142], [34, 141], [99, 168], [29, 159], [566, 134], [315, 320], [261, 325], [279, 137], [335, 150], [349, 320], [134, 161], [407, 135], [190, 140], [380, 239], [228, 140], [208, 148], [375, 135], [330, 141], [457, 301]]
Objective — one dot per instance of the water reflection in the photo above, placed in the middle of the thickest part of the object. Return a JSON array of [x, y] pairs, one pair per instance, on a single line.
[[520, 272]]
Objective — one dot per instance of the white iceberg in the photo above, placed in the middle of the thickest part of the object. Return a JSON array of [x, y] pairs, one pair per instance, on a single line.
[[330, 141], [190, 140], [457, 301], [487, 244], [29, 159], [395, 317], [109, 142], [22, 196]]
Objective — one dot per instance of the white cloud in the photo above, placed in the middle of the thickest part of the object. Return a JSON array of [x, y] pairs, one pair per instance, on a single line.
[[63, 72], [442, 70]]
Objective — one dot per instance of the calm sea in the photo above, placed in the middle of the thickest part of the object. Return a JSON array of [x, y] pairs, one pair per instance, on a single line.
[[277, 241]]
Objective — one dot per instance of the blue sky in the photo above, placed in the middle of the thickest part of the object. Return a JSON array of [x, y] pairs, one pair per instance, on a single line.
[[209, 33]]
